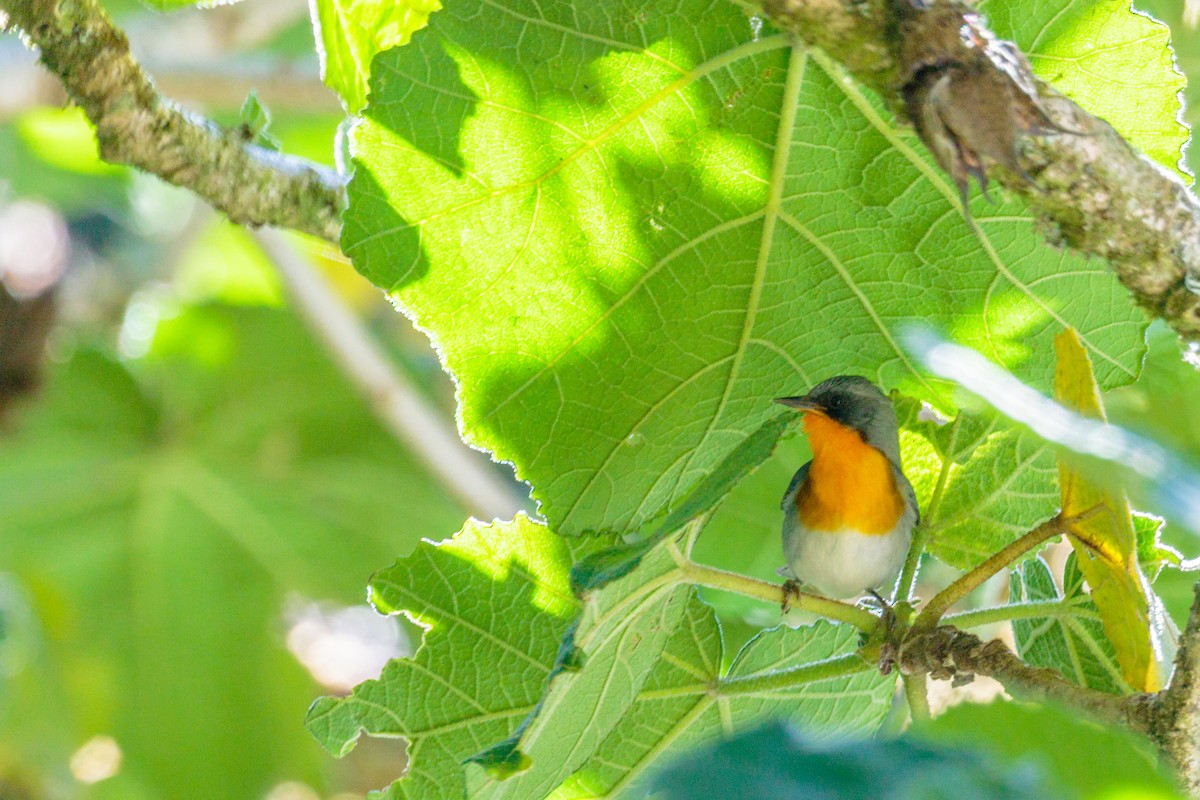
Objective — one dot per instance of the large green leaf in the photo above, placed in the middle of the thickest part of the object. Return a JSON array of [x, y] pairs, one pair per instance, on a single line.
[[627, 228], [687, 700], [496, 603], [1072, 643], [157, 524]]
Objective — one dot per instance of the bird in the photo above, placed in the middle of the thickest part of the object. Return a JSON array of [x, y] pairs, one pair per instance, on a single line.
[[849, 513]]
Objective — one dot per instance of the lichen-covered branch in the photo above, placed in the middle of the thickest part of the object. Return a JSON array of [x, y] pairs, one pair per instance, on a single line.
[[137, 126], [1089, 189], [948, 653], [1176, 722]]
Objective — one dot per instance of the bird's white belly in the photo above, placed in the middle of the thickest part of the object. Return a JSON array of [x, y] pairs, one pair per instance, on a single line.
[[846, 563]]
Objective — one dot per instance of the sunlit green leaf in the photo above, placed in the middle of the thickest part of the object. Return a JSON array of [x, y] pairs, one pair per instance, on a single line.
[[496, 603], [602, 666], [350, 32], [1099, 54], [678, 709], [980, 483], [658, 225]]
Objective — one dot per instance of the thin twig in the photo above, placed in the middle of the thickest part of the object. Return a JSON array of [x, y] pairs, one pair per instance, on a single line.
[[135, 125], [1031, 609], [395, 402], [747, 586], [937, 607]]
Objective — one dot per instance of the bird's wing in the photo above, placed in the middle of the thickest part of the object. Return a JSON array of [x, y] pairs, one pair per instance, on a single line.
[[799, 476], [908, 490]]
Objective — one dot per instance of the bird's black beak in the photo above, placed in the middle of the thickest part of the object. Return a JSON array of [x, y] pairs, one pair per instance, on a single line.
[[800, 403]]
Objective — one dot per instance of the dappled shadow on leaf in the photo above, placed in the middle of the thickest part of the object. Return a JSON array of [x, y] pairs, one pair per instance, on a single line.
[[418, 88], [408, 261], [623, 273]]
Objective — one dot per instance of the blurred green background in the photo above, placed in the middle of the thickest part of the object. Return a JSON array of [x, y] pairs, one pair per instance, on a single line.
[[191, 505]]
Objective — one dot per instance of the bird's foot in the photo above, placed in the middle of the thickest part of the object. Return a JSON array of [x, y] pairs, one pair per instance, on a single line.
[[893, 623], [791, 590]]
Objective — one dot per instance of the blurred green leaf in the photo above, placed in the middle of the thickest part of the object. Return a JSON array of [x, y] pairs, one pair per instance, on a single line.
[[775, 761], [1096, 761], [1074, 643], [225, 264], [350, 32], [739, 221], [176, 5], [74, 180], [159, 521], [64, 138]]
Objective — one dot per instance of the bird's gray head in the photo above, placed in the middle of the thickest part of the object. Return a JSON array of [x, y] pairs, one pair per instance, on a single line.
[[856, 403]]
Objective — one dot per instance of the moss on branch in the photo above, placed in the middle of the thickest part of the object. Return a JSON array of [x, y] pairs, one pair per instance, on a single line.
[[135, 125]]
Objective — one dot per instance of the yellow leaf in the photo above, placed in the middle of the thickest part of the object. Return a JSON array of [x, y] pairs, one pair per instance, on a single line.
[[1105, 543]]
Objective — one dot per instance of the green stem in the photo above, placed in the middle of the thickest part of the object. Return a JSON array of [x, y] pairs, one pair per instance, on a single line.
[[936, 608], [916, 692], [907, 583], [734, 582], [780, 680], [1032, 609], [908, 574]]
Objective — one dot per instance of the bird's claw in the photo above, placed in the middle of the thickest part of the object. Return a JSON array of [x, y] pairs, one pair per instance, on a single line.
[[893, 621], [791, 589]]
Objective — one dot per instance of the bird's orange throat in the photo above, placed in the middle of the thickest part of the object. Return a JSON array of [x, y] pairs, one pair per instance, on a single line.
[[850, 485]]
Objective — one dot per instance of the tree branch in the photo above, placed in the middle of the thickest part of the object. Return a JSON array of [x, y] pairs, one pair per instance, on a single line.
[[137, 126], [1088, 188], [948, 653], [1176, 724]]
